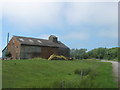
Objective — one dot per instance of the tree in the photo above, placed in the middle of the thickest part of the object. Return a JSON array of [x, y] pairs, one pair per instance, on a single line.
[[97, 53], [77, 53]]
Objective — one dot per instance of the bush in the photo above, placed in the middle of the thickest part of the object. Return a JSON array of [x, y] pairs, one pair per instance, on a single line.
[[82, 72], [59, 84]]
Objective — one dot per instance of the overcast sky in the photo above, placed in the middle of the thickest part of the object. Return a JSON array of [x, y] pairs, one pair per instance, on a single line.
[[77, 24]]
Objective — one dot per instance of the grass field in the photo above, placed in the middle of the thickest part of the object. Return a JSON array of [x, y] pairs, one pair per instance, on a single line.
[[40, 73]]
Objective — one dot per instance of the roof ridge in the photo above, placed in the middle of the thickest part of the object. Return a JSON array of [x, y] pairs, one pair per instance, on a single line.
[[30, 38]]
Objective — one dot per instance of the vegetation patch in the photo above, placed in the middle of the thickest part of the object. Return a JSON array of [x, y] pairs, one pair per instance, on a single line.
[[41, 73], [97, 53], [83, 72]]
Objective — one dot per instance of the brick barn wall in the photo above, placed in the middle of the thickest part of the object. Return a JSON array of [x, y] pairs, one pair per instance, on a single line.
[[14, 48]]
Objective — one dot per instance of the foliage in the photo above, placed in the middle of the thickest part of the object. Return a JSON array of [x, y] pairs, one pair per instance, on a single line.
[[41, 73], [97, 53], [82, 72], [78, 53]]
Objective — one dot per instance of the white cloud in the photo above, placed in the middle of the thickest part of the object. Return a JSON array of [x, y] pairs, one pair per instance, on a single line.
[[96, 13], [59, 0], [108, 33], [44, 36], [68, 36], [108, 43], [32, 14], [76, 36], [50, 13], [75, 13]]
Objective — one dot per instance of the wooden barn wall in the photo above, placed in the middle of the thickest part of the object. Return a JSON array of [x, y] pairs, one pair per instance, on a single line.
[[14, 48], [64, 51], [28, 52], [47, 51]]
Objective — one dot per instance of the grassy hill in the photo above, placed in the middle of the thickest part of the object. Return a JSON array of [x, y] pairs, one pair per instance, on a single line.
[[41, 73]]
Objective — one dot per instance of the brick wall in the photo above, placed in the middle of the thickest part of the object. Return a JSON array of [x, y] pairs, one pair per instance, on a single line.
[[14, 48]]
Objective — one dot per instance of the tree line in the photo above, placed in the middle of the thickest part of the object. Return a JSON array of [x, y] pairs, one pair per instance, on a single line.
[[97, 53]]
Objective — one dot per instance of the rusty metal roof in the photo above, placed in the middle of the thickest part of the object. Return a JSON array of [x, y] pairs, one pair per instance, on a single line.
[[39, 42]]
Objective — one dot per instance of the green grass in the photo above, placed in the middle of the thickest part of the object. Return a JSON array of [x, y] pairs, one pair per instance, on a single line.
[[41, 73]]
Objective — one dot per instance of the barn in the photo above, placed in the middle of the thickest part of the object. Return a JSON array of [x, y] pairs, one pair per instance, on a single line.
[[26, 47]]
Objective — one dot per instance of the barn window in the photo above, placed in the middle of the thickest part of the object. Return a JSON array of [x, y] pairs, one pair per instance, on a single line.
[[30, 40], [21, 39], [39, 41]]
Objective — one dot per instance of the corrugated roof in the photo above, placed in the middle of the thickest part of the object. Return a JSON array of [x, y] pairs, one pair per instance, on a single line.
[[39, 42]]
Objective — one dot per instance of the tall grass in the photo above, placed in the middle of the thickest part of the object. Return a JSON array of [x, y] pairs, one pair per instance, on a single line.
[[41, 73]]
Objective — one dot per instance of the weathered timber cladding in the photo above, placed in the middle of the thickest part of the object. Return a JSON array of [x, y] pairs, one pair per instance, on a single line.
[[28, 52], [64, 51], [47, 51]]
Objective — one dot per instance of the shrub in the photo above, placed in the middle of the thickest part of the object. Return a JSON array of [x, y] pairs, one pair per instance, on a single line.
[[59, 84], [82, 72]]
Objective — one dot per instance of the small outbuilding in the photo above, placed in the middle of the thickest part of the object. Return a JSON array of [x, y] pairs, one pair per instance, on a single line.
[[26, 48]]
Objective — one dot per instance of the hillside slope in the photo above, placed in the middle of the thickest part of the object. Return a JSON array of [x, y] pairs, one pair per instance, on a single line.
[[40, 73]]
